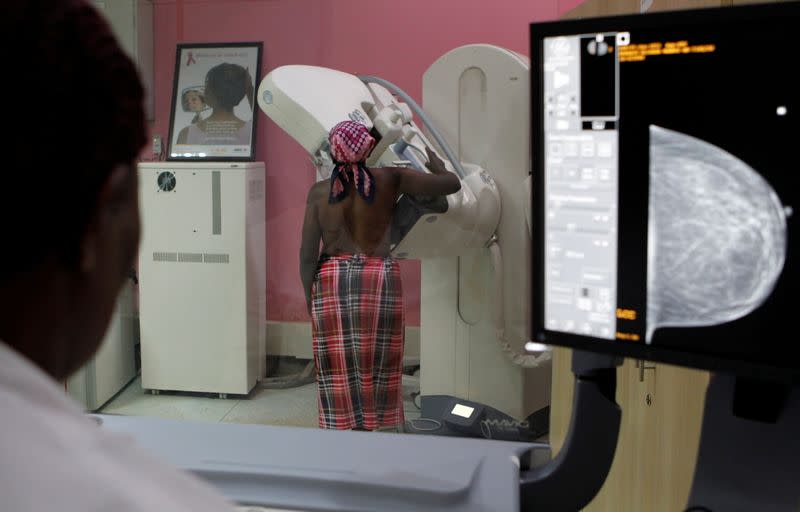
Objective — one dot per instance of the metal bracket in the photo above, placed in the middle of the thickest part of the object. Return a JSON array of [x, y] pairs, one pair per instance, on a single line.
[[576, 474], [641, 364]]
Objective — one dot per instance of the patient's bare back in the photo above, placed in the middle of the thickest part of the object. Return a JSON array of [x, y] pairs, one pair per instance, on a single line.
[[354, 226]]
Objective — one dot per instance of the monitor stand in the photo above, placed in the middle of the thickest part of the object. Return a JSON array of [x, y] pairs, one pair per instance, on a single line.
[[749, 456], [578, 471]]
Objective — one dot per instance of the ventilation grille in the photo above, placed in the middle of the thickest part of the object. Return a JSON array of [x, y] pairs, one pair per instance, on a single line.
[[165, 256], [191, 257], [216, 258]]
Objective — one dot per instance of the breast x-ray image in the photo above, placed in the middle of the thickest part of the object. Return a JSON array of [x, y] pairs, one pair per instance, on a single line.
[[716, 234]]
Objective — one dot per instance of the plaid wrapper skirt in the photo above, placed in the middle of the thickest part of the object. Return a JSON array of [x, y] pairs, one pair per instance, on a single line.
[[358, 331]]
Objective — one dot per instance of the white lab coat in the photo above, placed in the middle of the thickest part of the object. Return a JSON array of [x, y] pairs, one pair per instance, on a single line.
[[54, 457]]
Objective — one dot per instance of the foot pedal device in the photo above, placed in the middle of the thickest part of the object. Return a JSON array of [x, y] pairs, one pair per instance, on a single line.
[[452, 416]]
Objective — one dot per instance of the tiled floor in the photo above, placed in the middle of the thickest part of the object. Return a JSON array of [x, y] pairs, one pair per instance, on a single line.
[[295, 407]]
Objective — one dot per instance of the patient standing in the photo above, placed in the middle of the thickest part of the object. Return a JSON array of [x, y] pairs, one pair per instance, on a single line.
[[353, 289]]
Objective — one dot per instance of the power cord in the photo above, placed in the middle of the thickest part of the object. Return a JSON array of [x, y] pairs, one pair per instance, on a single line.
[[436, 425], [414, 396], [307, 376]]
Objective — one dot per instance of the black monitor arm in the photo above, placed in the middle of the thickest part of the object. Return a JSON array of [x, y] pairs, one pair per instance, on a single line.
[[576, 474]]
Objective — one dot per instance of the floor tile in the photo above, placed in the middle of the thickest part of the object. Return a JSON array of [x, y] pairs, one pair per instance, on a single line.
[[133, 401]]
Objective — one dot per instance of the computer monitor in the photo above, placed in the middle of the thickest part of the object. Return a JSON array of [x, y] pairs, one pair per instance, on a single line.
[[666, 151]]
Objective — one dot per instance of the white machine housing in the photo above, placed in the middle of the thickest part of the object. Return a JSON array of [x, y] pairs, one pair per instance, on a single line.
[[202, 272], [478, 97], [290, 96], [293, 97]]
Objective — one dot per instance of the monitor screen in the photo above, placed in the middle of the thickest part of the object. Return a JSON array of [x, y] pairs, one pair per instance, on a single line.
[[665, 147]]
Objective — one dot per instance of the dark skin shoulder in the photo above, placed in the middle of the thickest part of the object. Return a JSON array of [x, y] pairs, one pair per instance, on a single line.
[[355, 226]]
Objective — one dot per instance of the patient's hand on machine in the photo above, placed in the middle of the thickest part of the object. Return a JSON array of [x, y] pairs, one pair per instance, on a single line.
[[439, 183], [434, 162]]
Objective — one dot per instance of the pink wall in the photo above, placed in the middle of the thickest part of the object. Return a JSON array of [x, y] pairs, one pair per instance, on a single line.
[[391, 39]]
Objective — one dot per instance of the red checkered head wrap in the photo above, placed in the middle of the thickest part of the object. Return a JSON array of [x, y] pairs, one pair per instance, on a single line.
[[350, 144]]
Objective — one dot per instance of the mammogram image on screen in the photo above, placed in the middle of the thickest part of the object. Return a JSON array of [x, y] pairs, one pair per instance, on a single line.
[[717, 234]]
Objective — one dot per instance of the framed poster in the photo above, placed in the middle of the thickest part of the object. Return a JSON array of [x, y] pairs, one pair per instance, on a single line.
[[213, 102]]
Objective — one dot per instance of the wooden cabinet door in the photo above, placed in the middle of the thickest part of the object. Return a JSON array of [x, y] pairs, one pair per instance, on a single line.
[[596, 8], [622, 491], [673, 436], [659, 434], [676, 5]]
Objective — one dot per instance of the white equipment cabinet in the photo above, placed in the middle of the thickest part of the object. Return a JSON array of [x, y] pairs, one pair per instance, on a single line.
[[202, 276], [114, 364]]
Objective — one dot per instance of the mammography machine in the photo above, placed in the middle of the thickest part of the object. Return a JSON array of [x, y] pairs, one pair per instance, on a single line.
[[475, 244], [662, 229]]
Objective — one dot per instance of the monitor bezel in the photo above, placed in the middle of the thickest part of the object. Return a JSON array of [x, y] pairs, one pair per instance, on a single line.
[[540, 31]]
